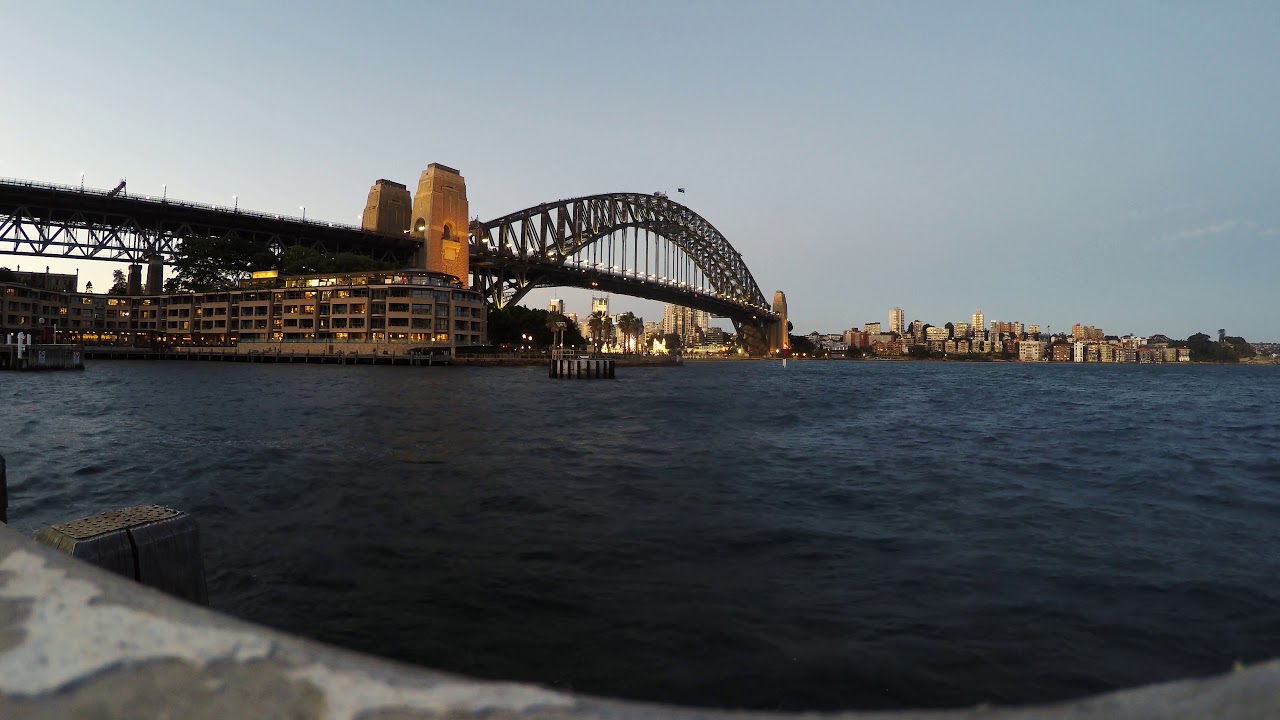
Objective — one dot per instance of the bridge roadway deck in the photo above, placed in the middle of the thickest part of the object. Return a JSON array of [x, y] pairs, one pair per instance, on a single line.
[[156, 219]]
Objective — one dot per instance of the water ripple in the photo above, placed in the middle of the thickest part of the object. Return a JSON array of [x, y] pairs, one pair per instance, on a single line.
[[856, 535]]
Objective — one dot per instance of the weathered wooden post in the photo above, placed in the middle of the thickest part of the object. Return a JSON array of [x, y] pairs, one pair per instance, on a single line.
[[157, 546], [4, 493]]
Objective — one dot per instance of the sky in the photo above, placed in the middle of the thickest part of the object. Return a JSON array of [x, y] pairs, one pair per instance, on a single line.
[[1111, 164]]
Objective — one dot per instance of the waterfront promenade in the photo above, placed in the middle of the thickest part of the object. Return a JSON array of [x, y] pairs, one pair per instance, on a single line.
[[350, 358]]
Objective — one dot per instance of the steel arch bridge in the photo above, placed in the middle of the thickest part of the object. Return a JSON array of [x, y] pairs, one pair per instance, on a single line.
[[628, 243], [634, 244]]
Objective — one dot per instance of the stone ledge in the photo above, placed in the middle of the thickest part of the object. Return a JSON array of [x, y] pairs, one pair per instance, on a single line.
[[76, 641]]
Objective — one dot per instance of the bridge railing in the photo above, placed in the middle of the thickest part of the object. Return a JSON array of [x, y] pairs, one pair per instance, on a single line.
[[166, 202]]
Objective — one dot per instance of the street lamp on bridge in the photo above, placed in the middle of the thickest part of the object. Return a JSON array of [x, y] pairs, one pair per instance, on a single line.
[[81, 181], [236, 200], [303, 208]]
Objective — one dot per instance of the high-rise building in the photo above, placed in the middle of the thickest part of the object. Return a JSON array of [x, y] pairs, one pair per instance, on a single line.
[[897, 320], [556, 306], [691, 325], [600, 304], [978, 323]]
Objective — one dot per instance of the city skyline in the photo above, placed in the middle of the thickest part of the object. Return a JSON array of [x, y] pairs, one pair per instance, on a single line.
[[1083, 163]]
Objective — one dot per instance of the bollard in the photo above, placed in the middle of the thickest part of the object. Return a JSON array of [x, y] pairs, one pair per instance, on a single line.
[[157, 546]]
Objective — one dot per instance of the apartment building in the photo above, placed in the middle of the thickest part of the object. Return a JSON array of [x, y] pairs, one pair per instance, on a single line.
[[410, 307]]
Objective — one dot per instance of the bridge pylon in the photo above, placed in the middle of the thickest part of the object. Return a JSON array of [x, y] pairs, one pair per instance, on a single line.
[[779, 333], [439, 220]]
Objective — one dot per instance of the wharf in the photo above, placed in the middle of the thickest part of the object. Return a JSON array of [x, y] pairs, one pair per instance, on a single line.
[[41, 357], [230, 355]]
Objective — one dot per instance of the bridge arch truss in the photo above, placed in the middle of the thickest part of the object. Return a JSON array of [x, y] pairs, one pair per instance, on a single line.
[[630, 243]]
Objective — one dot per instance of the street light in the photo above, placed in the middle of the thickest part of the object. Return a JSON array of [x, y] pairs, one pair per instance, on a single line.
[[236, 198], [81, 181], [303, 208], [165, 196]]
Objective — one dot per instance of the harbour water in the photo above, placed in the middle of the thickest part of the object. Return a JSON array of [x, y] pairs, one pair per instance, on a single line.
[[832, 535]]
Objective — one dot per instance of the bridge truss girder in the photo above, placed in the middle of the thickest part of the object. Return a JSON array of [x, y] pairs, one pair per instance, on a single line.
[[535, 247], [59, 221]]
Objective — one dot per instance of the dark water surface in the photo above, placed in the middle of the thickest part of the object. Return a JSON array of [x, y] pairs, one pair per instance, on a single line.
[[832, 535]]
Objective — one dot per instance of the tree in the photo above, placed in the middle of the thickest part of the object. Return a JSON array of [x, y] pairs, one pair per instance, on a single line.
[[204, 264], [601, 326], [562, 329], [630, 326], [1204, 349], [119, 284], [951, 330], [506, 326], [300, 260], [7, 275], [802, 344]]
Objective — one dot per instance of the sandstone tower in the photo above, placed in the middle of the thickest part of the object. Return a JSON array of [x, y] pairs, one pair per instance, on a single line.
[[440, 221], [387, 211], [778, 340]]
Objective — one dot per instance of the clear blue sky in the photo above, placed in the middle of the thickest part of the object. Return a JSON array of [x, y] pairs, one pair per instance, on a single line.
[[1114, 164]]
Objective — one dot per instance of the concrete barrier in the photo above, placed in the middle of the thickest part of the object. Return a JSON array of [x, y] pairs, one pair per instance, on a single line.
[[157, 546], [77, 641]]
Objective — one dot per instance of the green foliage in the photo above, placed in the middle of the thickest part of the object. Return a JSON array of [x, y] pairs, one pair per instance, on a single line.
[[204, 264], [919, 352], [1205, 349], [507, 325], [299, 260], [1241, 346], [601, 326], [630, 326], [119, 283], [7, 275], [802, 344]]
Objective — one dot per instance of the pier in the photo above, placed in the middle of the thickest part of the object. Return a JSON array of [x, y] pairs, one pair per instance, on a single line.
[[581, 368], [19, 353]]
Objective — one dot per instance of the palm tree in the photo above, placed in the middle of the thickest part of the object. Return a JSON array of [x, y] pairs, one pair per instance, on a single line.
[[599, 324], [627, 326]]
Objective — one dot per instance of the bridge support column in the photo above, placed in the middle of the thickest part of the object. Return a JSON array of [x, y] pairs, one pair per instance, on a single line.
[[135, 279]]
